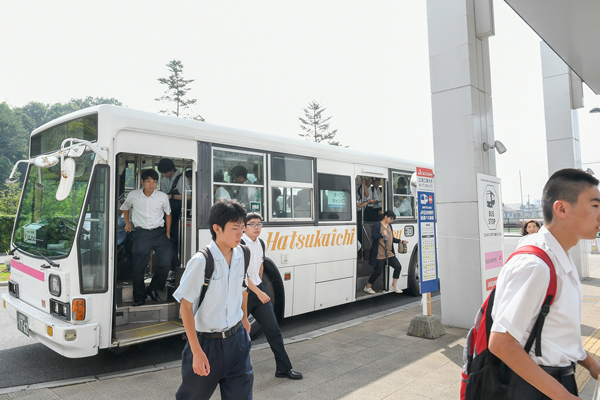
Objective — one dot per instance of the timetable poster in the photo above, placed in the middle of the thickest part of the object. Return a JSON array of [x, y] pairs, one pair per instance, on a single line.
[[427, 239]]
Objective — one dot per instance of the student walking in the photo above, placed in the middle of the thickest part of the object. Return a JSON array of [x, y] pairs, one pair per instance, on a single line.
[[571, 207], [218, 347], [259, 303]]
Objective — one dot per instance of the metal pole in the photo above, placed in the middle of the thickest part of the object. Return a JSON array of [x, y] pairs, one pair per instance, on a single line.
[[521, 186]]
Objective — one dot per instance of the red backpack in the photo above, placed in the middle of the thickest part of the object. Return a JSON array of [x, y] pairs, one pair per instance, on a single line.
[[485, 376]]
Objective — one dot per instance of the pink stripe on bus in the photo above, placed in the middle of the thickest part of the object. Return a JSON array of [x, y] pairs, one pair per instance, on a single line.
[[28, 270]]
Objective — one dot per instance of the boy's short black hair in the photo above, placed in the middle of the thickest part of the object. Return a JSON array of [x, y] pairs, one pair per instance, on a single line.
[[389, 213], [188, 173], [149, 173], [566, 184], [166, 165], [239, 170], [251, 216], [224, 211]]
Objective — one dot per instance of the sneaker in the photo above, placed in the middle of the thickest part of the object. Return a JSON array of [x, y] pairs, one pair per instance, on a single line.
[[171, 276], [393, 289], [368, 290]]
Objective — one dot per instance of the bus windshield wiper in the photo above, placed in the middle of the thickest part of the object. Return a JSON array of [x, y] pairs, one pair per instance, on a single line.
[[49, 261], [17, 247]]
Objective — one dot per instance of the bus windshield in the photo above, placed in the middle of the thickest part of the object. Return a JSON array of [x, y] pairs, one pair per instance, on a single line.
[[44, 225]]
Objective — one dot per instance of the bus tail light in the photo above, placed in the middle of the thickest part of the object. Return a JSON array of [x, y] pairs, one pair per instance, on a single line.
[[78, 309]]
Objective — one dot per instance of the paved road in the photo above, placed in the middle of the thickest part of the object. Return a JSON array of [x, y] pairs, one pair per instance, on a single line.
[[25, 361]]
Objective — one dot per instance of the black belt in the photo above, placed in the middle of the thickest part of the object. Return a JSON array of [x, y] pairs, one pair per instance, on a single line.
[[562, 371], [221, 335], [144, 229]]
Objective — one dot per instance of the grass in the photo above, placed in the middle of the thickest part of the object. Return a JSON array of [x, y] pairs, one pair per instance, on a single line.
[[4, 275]]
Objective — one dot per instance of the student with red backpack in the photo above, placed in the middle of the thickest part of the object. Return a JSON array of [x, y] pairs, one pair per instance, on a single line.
[[571, 207]]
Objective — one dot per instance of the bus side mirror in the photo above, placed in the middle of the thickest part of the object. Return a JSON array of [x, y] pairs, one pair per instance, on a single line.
[[413, 184], [67, 175]]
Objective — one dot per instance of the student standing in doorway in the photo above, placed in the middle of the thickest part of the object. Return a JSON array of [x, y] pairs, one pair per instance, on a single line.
[[149, 209], [259, 303]]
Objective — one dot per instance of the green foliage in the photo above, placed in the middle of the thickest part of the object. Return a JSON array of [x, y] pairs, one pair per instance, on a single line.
[[6, 227], [177, 92], [9, 200], [16, 125], [315, 127]]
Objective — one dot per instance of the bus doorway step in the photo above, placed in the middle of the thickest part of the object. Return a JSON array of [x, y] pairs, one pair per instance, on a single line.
[[142, 332]]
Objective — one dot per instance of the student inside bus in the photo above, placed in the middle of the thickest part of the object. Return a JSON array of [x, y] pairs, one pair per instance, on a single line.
[[373, 211], [149, 209], [173, 183], [244, 194], [221, 192]]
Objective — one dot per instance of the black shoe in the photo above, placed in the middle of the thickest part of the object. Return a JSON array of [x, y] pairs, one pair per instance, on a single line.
[[138, 303], [153, 295], [291, 374]]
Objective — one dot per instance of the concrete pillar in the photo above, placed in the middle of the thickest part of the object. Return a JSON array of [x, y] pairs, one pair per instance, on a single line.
[[563, 95], [462, 120]]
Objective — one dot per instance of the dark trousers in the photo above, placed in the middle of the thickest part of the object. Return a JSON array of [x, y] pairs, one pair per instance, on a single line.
[[230, 367], [524, 391], [359, 227], [265, 315], [393, 262], [143, 241]]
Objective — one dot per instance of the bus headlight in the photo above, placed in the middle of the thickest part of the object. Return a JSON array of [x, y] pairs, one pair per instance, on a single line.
[[78, 309], [54, 285]]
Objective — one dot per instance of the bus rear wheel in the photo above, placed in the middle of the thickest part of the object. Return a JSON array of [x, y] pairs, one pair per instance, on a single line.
[[414, 282], [255, 329]]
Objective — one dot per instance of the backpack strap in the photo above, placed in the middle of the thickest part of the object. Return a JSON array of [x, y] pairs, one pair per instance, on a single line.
[[262, 243], [209, 269], [246, 250], [175, 182], [536, 332]]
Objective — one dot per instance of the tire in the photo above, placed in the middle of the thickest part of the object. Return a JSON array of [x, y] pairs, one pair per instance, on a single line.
[[255, 329], [414, 281]]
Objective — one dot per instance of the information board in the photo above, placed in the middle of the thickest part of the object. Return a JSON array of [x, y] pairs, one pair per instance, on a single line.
[[427, 239], [491, 231]]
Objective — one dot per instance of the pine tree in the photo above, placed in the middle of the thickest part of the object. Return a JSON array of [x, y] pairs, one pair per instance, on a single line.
[[315, 127], [177, 91]]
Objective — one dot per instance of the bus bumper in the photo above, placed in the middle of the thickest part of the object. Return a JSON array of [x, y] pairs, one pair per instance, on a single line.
[[65, 338]]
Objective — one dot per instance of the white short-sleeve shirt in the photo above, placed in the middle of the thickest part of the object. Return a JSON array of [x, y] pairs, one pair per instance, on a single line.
[[256, 259], [166, 184], [221, 308], [148, 211], [520, 293]]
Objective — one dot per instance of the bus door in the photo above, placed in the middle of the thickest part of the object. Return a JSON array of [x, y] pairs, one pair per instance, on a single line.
[[370, 189], [153, 319]]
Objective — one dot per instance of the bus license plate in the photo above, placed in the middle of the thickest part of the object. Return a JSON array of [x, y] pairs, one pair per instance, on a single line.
[[23, 323]]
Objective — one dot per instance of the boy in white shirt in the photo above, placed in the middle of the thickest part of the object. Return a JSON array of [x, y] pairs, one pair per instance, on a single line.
[[259, 303]]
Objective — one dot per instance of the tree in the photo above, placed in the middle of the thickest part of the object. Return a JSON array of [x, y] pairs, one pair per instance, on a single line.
[[177, 92], [315, 127]]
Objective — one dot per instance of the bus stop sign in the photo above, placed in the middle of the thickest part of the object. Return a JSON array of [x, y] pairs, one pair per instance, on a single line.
[[427, 239]]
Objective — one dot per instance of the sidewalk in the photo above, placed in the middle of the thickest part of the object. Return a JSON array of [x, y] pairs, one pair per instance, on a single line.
[[374, 359]]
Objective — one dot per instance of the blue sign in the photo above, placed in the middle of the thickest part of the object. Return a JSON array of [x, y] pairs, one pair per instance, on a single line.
[[427, 242]]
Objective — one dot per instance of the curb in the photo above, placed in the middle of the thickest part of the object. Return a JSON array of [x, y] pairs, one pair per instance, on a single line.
[[177, 364]]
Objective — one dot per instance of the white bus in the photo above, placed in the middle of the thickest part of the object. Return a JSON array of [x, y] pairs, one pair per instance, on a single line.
[[68, 287]]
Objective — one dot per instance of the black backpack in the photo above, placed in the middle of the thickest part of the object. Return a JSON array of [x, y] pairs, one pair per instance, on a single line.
[[210, 269]]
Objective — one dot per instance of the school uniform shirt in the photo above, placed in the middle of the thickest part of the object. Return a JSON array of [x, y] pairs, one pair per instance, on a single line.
[[256, 259], [520, 293], [166, 184], [376, 194], [221, 308], [361, 197], [148, 211]]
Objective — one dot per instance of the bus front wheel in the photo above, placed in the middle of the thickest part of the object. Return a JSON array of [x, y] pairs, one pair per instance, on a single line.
[[255, 328]]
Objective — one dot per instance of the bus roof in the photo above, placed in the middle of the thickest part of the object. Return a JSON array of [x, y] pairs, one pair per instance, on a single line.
[[122, 118]]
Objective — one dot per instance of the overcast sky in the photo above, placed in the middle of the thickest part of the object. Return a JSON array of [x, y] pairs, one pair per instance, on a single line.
[[257, 64]]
